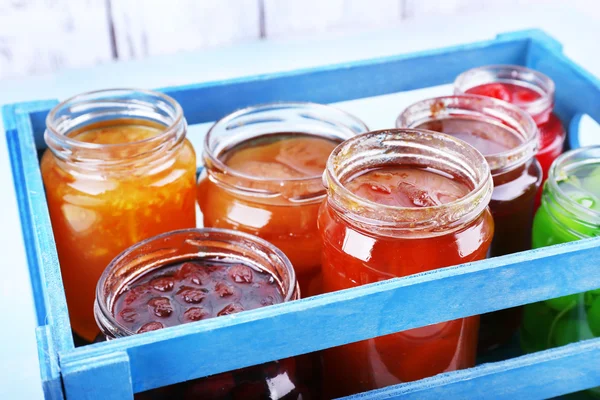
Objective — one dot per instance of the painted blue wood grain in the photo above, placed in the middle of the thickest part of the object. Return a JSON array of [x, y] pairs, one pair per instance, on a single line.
[[154, 359], [541, 375], [347, 316], [111, 369]]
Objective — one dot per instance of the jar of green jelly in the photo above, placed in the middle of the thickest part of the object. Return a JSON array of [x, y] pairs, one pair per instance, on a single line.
[[570, 211]]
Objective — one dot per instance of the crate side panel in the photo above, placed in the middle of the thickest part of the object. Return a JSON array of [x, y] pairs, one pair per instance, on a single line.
[[211, 101], [541, 375], [351, 315], [577, 91], [39, 239]]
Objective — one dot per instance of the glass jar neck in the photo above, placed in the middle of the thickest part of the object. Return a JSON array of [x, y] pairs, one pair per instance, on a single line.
[[541, 84], [317, 120], [185, 245], [572, 216], [499, 114], [414, 148], [124, 106]]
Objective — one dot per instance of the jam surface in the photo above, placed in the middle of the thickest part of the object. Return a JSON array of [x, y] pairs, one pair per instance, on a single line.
[[488, 138], [281, 156], [192, 291], [407, 187], [98, 213], [287, 219], [516, 94]]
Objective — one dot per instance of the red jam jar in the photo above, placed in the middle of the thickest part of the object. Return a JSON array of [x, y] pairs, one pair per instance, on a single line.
[[531, 91], [508, 138], [401, 202], [196, 274], [263, 169]]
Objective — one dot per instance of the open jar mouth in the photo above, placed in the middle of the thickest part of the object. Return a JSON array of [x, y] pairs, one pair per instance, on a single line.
[[482, 109], [511, 74], [412, 147], [184, 245], [114, 104], [320, 120], [563, 168]]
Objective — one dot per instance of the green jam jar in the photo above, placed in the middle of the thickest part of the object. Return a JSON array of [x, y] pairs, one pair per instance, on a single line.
[[570, 211]]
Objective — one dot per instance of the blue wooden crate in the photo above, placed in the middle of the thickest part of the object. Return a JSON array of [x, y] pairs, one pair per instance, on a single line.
[[117, 369]]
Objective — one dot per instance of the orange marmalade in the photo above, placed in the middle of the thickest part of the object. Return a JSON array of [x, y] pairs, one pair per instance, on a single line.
[[110, 184], [263, 177]]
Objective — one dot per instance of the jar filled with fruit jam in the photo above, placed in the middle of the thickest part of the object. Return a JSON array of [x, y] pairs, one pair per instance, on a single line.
[[118, 170], [508, 138], [401, 202], [570, 211], [531, 91], [263, 176], [197, 274]]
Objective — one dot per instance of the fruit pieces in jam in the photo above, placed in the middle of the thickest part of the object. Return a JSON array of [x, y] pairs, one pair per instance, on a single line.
[[290, 165], [193, 291], [552, 133], [352, 258], [197, 290], [98, 213]]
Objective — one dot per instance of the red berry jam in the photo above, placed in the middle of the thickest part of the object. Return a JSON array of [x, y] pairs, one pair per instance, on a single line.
[[191, 275], [193, 291]]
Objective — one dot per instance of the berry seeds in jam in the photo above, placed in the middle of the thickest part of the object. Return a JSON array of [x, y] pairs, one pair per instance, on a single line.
[[193, 291]]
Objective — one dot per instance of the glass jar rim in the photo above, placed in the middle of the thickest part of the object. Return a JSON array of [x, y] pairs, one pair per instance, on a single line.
[[520, 122], [65, 140], [224, 123], [468, 80], [103, 311], [557, 172], [417, 218]]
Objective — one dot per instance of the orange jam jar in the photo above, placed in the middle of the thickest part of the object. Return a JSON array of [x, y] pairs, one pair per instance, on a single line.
[[118, 170], [263, 176], [401, 202]]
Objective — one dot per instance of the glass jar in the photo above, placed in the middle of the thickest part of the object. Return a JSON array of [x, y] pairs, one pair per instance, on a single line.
[[268, 199], [508, 138], [570, 211], [149, 258], [366, 241], [531, 91], [118, 170]]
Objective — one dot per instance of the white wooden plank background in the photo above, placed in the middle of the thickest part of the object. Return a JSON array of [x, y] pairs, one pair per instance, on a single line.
[[42, 36]]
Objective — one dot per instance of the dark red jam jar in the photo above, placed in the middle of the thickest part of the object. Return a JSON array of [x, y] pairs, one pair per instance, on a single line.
[[190, 275], [508, 138], [531, 91]]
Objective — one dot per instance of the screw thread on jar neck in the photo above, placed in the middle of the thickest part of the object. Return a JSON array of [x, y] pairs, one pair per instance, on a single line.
[[409, 147], [562, 208], [287, 117], [77, 112], [184, 245], [483, 109]]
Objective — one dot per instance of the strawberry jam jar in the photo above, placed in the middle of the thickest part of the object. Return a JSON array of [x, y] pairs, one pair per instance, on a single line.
[[401, 202], [263, 176], [531, 91], [197, 274], [508, 138], [118, 170]]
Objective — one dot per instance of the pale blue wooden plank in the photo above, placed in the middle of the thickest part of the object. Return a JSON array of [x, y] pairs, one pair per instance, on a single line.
[[49, 368], [540, 375], [111, 370], [210, 101], [320, 322]]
